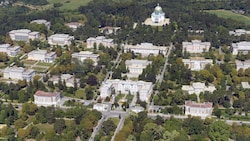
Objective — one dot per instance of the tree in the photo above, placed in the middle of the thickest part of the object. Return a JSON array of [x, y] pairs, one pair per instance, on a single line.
[[59, 126], [219, 131], [29, 108], [108, 127], [92, 80]]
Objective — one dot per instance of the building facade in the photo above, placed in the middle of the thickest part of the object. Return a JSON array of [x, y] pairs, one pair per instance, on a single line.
[[197, 63], [144, 89], [145, 49], [240, 47], [42, 21], [197, 88], [42, 55], [239, 32], [11, 51], [158, 15], [136, 67], [60, 39], [23, 35], [101, 107], [242, 64], [196, 46], [69, 79], [99, 40], [83, 55], [202, 110], [42, 98], [18, 73]]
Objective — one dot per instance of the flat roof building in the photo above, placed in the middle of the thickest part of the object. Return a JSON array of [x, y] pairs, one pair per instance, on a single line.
[[69, 79], [11, 51], [239, 32], [74, 25], [60, 39], [196, 46], [42, 98], [127, 86], [99, 40], [197, 63], [242, 64], [101, 107], [202, 110], [18, 73], [83, 55], [197, 88], [136, 67], [42, 55], [146, 49], [240, 47], [42, 21], [23, 35]]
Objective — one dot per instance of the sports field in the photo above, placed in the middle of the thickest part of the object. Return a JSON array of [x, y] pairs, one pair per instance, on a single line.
[[229, 14], [70, 4]]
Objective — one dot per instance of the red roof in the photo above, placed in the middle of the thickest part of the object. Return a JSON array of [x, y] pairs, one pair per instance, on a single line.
[[47, 94], [201, 105]]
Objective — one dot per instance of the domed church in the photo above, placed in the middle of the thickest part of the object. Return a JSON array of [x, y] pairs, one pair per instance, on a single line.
[[158, 15]]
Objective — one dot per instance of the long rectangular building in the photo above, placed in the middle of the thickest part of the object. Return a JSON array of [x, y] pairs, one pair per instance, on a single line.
[[42, 55], [126, 86], [60, 39], [23, 35], [11, 51], [18, 73], [145, 49]]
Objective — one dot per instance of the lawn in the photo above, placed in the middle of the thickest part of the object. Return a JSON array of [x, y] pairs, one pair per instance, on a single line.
[[229, 14], [39, 69], [44, 64], [70, 4], [44, 127], [29, 62], [80, 93]]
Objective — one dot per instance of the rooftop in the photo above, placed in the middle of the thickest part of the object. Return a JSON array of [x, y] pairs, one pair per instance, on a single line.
[[199, 105], [46, 94]]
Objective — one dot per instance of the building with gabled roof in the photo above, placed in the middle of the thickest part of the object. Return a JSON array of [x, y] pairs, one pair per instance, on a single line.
[[42, 98], [202, 110]]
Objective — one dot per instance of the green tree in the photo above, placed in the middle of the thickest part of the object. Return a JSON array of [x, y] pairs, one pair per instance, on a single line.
[[59, 125], [219, 131]]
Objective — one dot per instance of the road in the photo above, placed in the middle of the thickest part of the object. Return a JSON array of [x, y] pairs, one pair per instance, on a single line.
[[165, 65], [119, 127], [96, 129]]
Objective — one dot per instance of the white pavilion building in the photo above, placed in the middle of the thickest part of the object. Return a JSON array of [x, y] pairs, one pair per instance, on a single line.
[[158, 15]]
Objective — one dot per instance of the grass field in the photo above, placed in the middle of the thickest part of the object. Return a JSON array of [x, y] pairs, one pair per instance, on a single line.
[[70, 4], [229, 14]]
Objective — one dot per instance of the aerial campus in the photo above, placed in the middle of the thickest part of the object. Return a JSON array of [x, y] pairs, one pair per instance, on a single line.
[[107, 70]]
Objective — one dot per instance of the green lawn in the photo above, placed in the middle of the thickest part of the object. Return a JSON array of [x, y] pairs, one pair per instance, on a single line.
[[80, 93], [44, 127], [229, 14], [29, 62], [44, 64], [70, 4]]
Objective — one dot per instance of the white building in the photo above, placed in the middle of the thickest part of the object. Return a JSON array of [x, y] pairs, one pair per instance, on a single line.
[[242, 64], [42, 55], [239, 32], [68, 78], [197, 88], [196, 46], [197, 63], [60, 39], [240, 46], [125, 86], [245, 85], [137, 109], [107, 30], [136, 67], [198, 109], [47, 98], [101, 107], [18, 73], [11, 51], [99, 40], [74, 25], [83, 55], [42, 21], [158, 15], [145, 49], [23, 35]]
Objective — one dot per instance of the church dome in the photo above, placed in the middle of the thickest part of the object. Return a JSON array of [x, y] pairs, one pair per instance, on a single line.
[[158, 9]]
